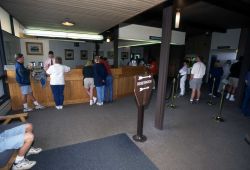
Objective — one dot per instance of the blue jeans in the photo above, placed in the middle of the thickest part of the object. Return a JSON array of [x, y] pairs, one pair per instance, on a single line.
[[109, 89], [57, 91], [100, 94], [246, 102]]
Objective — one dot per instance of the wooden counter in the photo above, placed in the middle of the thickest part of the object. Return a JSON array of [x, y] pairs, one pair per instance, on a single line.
[[123, 85]]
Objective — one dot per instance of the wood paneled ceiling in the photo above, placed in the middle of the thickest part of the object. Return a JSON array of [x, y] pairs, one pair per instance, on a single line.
[[93, 16]]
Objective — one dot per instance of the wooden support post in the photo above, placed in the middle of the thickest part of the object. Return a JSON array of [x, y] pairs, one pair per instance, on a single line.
[[163, 67], [244, 51], [116, 41]]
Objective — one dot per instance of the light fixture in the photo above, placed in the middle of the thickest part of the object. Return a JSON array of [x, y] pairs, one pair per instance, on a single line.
[[57, 34], [68, 23], [108, 39], [177, 18]]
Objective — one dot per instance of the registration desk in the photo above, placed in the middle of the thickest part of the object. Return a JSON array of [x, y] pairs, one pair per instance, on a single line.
[[123, 85]]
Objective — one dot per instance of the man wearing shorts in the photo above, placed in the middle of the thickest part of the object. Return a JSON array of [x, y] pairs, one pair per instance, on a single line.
[[23, 79], [197, 73], [19, 136], [233, 80]]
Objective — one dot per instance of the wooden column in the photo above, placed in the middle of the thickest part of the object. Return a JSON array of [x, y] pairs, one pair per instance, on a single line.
[[97, 47], [163, 66], [244, 51], [116, 41]]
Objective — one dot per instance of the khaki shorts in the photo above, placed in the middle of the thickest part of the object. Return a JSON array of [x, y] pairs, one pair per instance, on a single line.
[[233, 81], [195, 84], [89, 83]]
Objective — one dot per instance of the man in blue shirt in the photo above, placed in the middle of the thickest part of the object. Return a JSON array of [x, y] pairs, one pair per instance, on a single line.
[[245, 104], [100, 75], [23, 79]]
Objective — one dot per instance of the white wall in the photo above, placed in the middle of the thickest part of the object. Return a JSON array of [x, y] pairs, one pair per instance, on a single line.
[[58, 47], [143, 33], [36, 58], [5, 20], [120, 50], [230, 38]]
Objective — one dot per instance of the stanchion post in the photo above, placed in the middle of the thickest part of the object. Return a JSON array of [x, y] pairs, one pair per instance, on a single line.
[[210, 102], [172, 105], [139, 137], [177, 86], [219, 117]]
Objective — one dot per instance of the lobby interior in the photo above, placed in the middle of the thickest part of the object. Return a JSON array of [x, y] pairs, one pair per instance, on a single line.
[[184, 138]]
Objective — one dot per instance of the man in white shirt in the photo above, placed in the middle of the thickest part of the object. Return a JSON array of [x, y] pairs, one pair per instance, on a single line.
[[197, 73], [57, 82], [183, 77], [49, 61]]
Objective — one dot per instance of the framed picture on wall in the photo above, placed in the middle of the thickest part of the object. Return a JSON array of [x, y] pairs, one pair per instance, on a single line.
[[34, 48], [124, 55], [69, 54], [84, 54], [110, 54]]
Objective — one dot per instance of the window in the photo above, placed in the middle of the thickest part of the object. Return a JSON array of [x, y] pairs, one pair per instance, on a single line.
[[3, 86]]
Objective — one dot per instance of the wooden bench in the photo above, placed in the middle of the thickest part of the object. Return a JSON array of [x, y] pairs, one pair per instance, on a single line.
[[10, 155], [9, 118]]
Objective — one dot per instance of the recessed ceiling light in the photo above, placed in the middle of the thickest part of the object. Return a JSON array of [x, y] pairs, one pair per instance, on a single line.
[[68, 23]]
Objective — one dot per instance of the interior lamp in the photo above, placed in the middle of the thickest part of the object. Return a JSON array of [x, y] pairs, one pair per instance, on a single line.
[[59, 34], [68, 23], [108, 39], [177, 18]]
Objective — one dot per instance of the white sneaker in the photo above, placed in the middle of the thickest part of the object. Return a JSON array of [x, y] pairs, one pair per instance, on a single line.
[[58, 107], [99, 104], [61, 107], [91, 102], [232, 99], [228, 95], [23, 164], [27, 109], [210, 94], [33, 151], [39, 107], [94, 100]]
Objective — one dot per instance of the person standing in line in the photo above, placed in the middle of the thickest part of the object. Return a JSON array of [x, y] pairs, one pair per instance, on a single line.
[[88, 74], [233, 79], [183, 77], [100, 75], [226, 72], [215, 73], [108, 90], [153, 69], [56, 72], [197, 73], [49, 61], [246, 102], [23, 79]]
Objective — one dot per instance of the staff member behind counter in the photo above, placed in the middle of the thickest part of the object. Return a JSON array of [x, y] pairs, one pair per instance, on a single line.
[[49, 61], [23, 79]]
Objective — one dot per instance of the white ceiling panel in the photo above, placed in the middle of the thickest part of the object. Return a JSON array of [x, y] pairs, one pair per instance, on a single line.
[[93, 16]]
